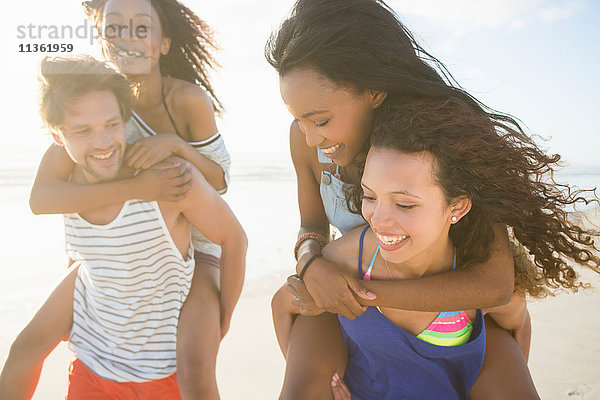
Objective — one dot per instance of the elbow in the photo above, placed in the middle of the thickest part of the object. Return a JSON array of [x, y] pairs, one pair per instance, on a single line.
[[502, 295], [503, 298], [35, 205], [243, 239], [496, 292], [221, 188], [236, 241], [223, 183]]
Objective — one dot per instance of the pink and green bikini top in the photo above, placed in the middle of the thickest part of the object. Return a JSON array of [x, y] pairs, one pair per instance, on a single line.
[[450, 328]]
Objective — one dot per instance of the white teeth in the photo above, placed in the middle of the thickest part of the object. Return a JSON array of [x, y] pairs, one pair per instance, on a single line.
[[389, 240], [103, 156], [331, 150], [129, 53]]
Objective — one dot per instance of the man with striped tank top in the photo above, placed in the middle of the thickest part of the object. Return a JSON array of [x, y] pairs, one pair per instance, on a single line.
[[135, 260]]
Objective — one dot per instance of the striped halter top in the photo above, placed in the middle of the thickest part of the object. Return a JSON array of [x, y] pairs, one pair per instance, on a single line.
[[451, 328], [130, 287]]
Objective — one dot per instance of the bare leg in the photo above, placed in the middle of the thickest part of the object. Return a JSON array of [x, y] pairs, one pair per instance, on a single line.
[[49, 326], [199, 336], [504, 374], [315, 352], [283, 317]]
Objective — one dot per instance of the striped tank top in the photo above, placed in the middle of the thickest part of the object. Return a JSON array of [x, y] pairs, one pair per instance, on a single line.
[[212, 148], [130, 287], [451, 328]]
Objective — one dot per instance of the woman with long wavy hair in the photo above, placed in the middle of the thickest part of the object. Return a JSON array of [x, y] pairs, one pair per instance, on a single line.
[[166, 51]]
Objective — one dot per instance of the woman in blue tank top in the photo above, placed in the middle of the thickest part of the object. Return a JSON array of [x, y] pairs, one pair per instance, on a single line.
[[431, 189]]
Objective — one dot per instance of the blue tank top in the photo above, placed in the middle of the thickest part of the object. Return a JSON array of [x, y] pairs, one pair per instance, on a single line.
[[334, 201], [386, 363]]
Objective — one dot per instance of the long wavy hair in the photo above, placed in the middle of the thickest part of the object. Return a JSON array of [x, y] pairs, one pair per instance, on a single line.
[[509, 180], [362, 44], [191, 54]]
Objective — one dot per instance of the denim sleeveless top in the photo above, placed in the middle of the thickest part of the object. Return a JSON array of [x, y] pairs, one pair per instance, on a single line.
[[334, 201]]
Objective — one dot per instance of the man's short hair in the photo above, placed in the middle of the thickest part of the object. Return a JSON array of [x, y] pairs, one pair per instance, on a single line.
[[64, 79]]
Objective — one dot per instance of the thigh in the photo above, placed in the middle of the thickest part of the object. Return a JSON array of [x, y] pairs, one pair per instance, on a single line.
[[199, 330], [504, 374], [316, 351], [53, 321]]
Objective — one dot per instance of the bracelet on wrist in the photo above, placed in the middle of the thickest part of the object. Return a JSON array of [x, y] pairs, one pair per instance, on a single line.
[[306, 236], [310, 260]]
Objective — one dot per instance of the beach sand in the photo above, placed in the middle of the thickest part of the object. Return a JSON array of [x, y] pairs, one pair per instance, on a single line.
[[564, 362], [565, 351]]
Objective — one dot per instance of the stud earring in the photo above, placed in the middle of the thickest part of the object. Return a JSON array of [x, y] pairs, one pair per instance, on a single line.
[[454, 219]]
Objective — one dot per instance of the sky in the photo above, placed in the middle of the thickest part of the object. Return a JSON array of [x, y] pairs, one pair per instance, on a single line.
[[534, 59]]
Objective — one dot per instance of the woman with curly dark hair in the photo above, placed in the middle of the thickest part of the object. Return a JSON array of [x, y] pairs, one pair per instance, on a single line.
[[436, 179], [339, 62], [166, 51]]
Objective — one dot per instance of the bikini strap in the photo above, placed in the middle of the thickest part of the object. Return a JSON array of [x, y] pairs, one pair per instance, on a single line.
[[360, 251], [454, 262], [164, 102], [367, 276]]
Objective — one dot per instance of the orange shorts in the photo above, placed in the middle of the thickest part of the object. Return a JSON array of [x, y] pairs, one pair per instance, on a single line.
[[85, 385]]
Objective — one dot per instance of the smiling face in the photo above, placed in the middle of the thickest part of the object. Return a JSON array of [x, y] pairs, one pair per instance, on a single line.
[[333, 118], [406, 207], [133, 36], [93, 135]]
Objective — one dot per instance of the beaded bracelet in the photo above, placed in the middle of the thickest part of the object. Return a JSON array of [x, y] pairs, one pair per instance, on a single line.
[[306, 236]]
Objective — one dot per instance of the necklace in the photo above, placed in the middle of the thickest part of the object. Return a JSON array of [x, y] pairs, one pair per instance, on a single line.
[[388, 268]]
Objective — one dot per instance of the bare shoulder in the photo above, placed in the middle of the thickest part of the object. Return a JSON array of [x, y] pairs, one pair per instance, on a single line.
[[184, 92], [344, 251], [193, 106]]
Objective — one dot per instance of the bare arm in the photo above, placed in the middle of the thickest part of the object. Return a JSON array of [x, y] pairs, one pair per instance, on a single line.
[[324, 280], [486, 285], [514, 317], [208, 212], [312, 212], [52, 193], [482, 286]]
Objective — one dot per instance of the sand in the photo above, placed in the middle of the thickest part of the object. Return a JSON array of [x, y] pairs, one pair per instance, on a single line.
[[565, 350]]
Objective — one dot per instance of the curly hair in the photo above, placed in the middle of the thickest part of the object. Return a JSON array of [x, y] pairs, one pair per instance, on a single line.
[[192, 44], [509, 180]]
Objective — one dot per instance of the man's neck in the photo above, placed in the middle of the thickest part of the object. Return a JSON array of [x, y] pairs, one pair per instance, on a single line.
[[106, 214]]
